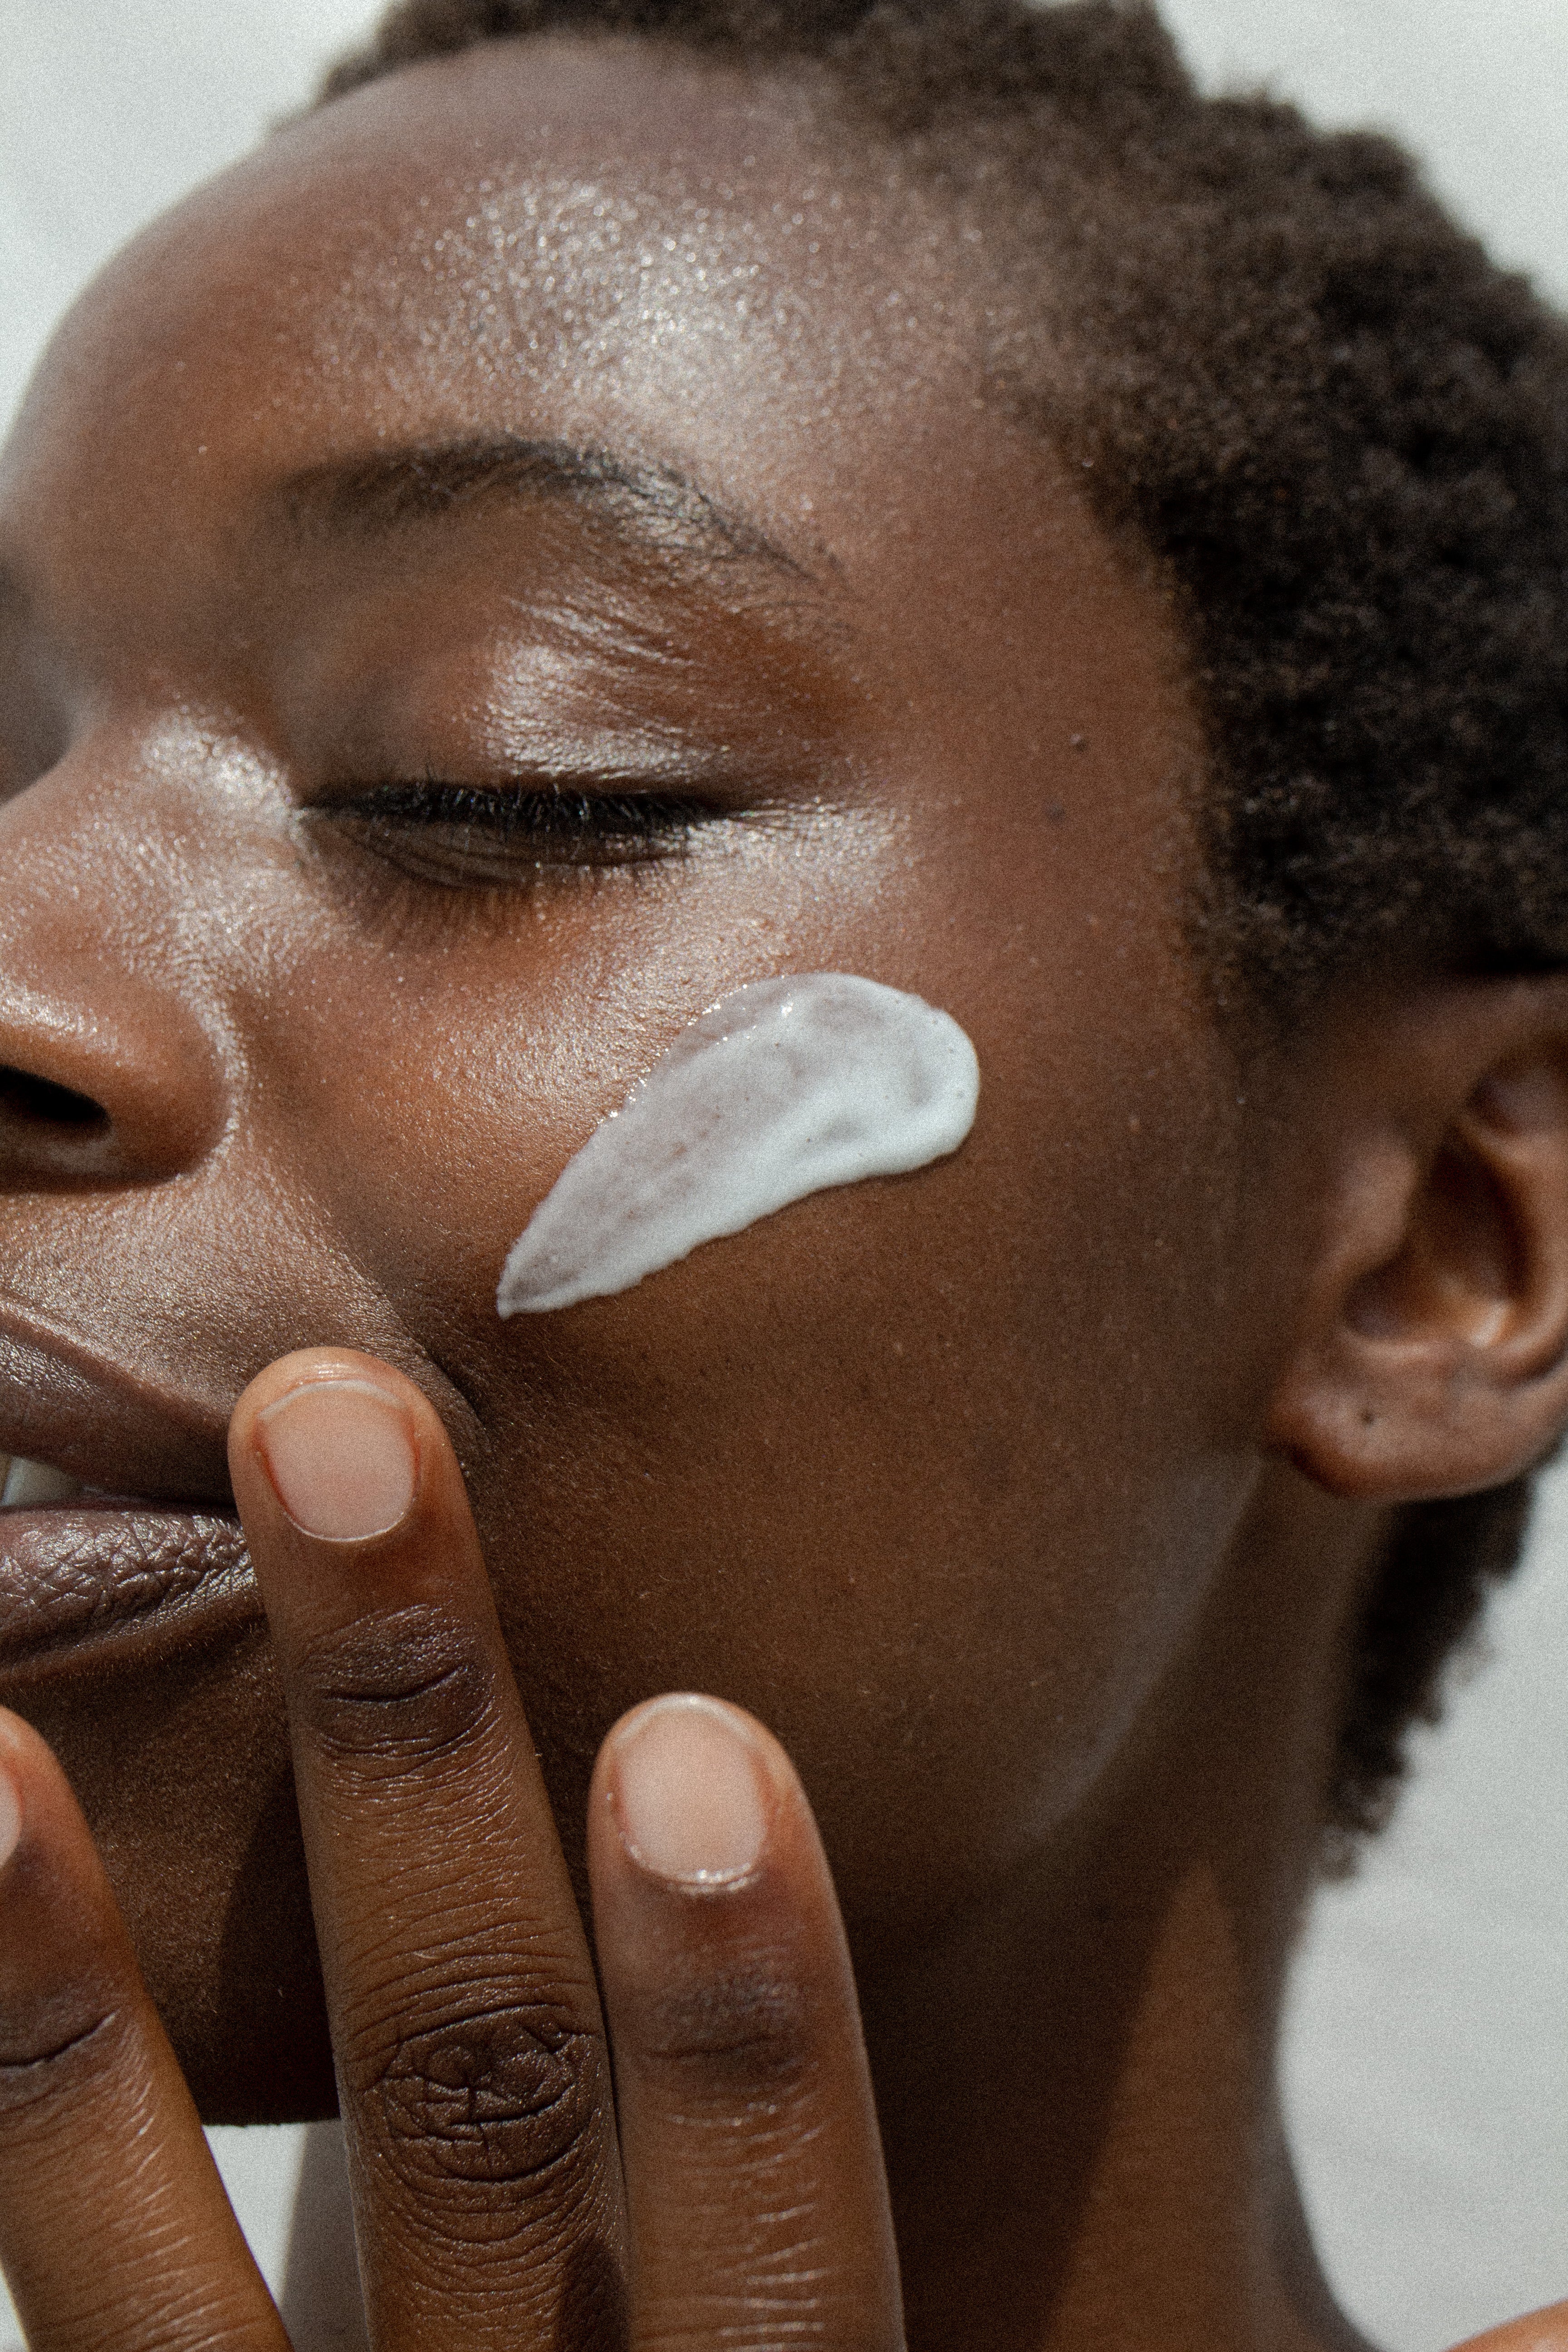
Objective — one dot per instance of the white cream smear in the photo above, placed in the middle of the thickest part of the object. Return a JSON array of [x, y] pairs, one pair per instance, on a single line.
[[782, 1088]]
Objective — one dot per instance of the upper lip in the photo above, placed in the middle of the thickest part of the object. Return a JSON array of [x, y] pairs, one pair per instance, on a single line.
[[66, 1401]]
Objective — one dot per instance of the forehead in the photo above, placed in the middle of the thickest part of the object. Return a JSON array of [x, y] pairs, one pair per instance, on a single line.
[[593, 237], [597, 249]]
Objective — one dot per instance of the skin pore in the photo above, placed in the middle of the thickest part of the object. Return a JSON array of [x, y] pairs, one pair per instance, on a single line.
[[566, 418]]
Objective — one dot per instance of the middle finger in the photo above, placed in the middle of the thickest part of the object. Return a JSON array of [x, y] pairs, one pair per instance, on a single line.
[[471, 2063]]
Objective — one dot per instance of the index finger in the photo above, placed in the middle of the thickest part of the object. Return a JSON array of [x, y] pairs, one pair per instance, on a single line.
[[470, 2047]]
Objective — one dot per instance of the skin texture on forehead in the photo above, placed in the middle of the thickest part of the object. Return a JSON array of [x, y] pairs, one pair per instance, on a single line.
[[661, 245], [828, 292]]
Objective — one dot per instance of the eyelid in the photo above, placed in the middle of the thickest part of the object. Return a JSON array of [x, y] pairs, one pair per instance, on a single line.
[[461, 837], [562, 811], [697, 780]]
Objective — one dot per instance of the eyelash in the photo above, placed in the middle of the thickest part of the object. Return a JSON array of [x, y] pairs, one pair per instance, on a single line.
[[494, 837]]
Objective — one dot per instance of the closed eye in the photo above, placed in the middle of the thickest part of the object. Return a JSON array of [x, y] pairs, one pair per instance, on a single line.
[[457, 835]]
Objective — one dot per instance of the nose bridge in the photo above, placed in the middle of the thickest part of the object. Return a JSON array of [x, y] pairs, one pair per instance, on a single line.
[[112, 1060]]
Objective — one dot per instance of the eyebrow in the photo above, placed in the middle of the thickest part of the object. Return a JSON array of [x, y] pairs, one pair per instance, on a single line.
[[394, 490]]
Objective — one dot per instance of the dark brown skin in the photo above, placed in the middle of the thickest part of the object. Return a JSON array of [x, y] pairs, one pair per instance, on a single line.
[[1026, 1500]]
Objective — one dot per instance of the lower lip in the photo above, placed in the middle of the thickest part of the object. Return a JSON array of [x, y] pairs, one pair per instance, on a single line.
[[85, 1579]]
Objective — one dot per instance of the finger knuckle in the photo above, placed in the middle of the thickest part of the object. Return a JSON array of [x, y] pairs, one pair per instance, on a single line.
[[506, 2095], [55, 2048], [396, 1691], [746, 2027]]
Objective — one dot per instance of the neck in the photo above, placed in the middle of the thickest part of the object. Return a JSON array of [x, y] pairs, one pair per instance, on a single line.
[[1076, 2079]]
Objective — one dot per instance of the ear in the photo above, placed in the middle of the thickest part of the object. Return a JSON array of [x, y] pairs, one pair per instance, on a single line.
[[1432, 1354]]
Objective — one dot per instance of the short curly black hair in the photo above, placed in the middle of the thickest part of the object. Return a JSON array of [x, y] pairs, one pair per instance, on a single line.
[[1342, 432]]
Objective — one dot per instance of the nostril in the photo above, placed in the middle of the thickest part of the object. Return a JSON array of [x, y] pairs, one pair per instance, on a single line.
[[38, 1102]]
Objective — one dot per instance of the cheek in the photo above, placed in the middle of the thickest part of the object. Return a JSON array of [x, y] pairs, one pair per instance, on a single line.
[[930, 1472], [899, 1469], [426, 1072]]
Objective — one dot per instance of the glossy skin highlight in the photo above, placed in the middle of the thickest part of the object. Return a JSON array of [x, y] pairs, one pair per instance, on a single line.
[[575, 421]]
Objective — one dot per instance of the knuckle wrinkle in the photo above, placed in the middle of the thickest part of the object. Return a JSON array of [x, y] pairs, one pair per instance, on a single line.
[[55, 2052], [504, 2095], [399, 1690], [735, 2027]]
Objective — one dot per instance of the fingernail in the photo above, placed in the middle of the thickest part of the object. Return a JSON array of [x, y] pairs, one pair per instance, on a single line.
[[10, 1818], [341, 1457], [690, 1793]]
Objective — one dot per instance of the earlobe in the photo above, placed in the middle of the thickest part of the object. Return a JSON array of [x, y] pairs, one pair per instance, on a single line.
[[1432, 1356]]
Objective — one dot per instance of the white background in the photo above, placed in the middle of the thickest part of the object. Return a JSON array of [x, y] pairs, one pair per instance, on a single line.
[[1427, 2061]]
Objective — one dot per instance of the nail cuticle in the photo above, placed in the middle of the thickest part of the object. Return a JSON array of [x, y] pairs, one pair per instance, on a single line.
[[342, 1458], [694, 1882], [691, 1796]]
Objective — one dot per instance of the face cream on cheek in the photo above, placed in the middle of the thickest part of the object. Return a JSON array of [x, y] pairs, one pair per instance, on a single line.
[[782, 1088]]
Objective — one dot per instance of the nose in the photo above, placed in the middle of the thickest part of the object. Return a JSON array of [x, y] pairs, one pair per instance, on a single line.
[[110, 1064], [92, 1096], [51, 1122]]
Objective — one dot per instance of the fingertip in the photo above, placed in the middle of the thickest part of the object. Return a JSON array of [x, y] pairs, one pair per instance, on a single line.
[[696, 1796], [690, 1790], [300, 1369], [341, 1456], [343, 1445], [11, 1815], [58, 1907], [31, 1785]]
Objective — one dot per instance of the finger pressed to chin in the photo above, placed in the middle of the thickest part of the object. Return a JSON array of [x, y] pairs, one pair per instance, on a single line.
[[472, 2072]]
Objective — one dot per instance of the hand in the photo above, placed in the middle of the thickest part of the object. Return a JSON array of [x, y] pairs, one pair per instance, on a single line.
[[728, 2190]]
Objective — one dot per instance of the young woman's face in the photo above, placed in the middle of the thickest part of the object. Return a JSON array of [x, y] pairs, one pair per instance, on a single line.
[[561, 416]]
